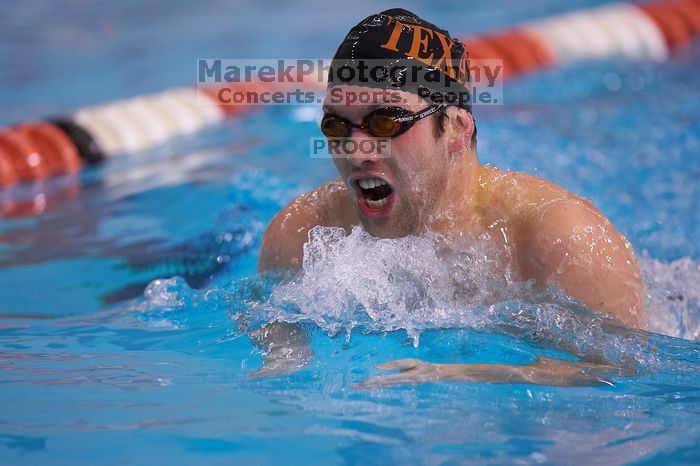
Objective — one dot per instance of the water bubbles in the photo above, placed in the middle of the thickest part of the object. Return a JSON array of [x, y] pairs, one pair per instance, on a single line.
[[612, 81], [165, 294], [171, 303], [636, 82]]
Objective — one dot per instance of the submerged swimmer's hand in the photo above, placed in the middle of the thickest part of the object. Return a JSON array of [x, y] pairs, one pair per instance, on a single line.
[[286, 349], [544, 371], [284, 361]]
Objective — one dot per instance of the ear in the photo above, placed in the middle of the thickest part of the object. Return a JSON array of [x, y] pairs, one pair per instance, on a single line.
[[461, 128]]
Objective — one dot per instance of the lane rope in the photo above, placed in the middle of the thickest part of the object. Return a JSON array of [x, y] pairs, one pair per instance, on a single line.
[[37, 150]]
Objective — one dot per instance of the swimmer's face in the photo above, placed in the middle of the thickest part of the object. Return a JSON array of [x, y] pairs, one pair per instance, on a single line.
[[395, 183]]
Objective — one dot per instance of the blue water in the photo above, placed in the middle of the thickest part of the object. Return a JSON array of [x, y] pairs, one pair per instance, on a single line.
[[94, 371]]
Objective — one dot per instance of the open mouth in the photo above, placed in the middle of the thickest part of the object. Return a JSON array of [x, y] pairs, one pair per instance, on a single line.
[[374, 195]]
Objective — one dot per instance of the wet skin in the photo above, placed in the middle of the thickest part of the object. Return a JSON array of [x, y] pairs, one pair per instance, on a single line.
[[436, 184]]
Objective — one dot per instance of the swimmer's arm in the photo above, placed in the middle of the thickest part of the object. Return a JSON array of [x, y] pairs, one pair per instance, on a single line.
[[283, 242], [286, 346], [544, 371], [573, 245]]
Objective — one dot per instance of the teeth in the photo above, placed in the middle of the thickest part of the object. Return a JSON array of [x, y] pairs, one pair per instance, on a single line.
[[369, 183], [377, 204]]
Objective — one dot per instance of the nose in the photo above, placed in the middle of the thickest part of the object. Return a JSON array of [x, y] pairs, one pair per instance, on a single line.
[[362, 149]]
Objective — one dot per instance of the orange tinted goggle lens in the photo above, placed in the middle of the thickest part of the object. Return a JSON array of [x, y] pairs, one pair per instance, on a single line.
[[334, 127], [377, 125], [383, 126]]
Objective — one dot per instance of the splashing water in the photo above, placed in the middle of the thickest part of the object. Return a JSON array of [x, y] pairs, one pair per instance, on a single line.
[[359, 282], [413, 284], [171, 303], [673, 298]]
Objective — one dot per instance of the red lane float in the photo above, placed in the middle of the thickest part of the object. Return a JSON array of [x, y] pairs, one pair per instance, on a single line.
[[8, 173], [691, 11], [34, 151], [62, 154], [37, 150], [672, 23], [520, 51], [679, 21]]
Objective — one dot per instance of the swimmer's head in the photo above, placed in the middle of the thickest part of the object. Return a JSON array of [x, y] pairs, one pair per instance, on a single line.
[[398, 96], [397, 50]]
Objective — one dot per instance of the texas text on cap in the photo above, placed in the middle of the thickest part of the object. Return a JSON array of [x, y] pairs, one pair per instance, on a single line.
[[396, 49]]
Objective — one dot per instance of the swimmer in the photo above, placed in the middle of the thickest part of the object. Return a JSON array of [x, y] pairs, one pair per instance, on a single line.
[[430, 180]]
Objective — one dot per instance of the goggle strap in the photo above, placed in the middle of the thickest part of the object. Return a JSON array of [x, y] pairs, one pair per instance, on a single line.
[[419, 116]]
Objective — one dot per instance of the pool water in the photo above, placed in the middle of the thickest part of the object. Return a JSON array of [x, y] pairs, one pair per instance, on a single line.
[[120, 334]]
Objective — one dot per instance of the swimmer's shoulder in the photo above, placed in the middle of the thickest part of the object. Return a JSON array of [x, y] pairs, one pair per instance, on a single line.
[[559, 237], [284, 238], [519, 196], [535, 207]]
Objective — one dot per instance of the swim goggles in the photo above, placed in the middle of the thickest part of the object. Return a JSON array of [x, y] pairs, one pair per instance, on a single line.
[[385, 122]]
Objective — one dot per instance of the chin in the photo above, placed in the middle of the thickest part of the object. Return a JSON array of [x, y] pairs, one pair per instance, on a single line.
[[380, 232], [385, 228]]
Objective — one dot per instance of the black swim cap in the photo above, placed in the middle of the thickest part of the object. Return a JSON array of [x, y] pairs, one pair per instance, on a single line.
[[395, 49]]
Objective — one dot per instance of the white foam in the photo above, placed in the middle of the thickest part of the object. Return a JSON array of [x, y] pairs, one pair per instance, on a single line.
[[411, 283]]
